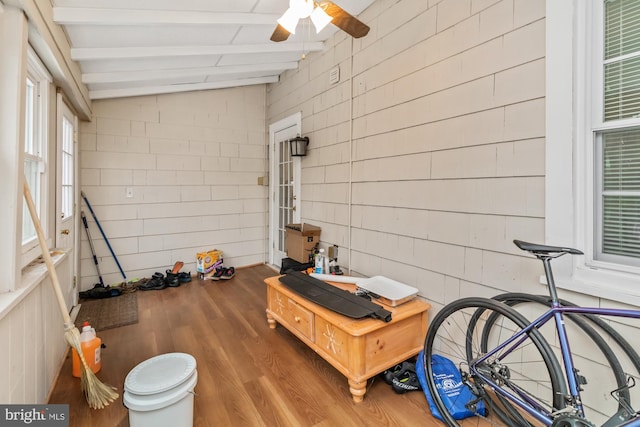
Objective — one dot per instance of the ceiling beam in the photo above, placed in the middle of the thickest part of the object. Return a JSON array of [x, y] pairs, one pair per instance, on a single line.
[[146, 75], [155, 90], [89, 53], [96, 16]]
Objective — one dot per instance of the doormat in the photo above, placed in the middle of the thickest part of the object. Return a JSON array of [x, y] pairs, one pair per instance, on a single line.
[[109, 313]]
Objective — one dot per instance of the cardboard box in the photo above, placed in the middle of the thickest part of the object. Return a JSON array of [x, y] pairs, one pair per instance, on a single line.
[[300, 239], [208, 262]]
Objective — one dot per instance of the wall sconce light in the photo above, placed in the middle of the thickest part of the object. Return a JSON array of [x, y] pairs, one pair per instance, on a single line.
[[299, 145]]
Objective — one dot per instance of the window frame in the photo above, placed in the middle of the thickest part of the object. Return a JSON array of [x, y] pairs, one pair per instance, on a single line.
[[573, 99], [41, 79]]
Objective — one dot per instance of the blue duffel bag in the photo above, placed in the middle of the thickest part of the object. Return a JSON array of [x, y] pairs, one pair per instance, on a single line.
[[454, 393]]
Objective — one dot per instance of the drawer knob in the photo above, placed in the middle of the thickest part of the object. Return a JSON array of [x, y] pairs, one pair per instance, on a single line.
[[297, 319]]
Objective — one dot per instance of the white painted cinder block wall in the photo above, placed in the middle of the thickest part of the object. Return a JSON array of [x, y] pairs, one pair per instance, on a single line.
[[192, 161], [436, 162]]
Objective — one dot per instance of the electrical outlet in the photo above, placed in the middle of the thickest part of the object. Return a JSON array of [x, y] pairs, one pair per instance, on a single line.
[[129, 192]]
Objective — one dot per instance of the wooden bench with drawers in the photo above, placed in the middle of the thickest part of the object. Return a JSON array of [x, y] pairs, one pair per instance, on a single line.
[[358, 348]]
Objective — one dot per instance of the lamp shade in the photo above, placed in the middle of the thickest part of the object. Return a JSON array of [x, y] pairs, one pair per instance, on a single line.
[[302, 8], [320, 18], [299, 145], [289, 21]]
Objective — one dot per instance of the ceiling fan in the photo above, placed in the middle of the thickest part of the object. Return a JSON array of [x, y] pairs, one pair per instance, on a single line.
[[321, 14]]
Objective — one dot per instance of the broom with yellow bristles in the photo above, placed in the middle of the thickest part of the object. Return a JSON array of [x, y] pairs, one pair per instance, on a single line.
[[98, 395]]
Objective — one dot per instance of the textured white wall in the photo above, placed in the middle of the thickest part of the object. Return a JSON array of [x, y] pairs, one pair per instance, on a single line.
[[427, 158], [193, 162], [32, 334]]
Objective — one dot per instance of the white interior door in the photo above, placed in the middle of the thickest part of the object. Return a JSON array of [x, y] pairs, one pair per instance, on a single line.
[[284, 184], [66, 218]]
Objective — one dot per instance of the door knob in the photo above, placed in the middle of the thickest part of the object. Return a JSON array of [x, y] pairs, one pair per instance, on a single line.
[[65, 231]]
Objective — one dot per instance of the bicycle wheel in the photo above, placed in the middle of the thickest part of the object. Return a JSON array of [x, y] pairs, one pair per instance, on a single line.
[[529, 371]]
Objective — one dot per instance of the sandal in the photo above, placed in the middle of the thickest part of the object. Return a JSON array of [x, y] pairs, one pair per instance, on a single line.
[[218, 274], [177, 266], [228, 273]]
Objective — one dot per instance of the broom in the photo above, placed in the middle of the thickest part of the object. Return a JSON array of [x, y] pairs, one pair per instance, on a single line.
[[98, 395]]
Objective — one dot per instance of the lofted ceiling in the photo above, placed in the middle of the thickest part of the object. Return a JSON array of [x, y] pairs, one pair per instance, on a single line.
[[141, 47]]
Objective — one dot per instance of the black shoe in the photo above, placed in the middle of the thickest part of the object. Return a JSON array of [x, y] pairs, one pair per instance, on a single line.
[[406, 381], [390, 374], [184, 277], [156, 283], [399, 369], [99, 292], [172, 279]]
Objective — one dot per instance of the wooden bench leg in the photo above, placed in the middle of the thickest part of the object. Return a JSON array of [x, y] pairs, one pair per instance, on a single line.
[[357, 389]]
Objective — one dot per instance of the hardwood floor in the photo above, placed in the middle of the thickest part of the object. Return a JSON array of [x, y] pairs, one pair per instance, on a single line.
[[248, 374]]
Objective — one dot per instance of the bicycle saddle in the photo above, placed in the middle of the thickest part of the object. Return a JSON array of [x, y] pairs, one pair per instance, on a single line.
[[544, 249]]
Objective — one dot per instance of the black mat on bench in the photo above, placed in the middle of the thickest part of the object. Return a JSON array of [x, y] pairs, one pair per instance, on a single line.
[[335, 299]]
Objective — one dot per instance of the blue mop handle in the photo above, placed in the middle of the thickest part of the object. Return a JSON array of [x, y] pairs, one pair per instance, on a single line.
[[103, 235]]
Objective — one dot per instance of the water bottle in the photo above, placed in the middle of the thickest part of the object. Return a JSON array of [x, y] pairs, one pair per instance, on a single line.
[[320, 262], [90, 345]]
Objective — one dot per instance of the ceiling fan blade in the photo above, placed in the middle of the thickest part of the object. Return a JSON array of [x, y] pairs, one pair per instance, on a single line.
[[280, 34], [345, 21]]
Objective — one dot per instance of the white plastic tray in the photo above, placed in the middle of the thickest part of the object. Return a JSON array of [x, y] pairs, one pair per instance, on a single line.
[[388, 290]]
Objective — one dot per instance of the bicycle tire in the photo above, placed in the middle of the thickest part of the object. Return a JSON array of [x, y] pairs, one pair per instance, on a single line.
[[618, 372], [544, 383]]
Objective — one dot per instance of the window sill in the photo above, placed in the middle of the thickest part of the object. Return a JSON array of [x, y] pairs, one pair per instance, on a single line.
[[32, 275], [604, 284]]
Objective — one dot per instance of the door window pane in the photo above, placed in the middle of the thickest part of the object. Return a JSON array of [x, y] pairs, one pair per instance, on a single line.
[[67, 168]]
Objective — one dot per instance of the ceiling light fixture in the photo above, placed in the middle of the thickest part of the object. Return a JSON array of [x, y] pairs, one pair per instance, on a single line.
[[300, 9]]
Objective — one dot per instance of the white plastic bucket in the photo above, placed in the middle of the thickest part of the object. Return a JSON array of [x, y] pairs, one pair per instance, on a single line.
[[159, 391]]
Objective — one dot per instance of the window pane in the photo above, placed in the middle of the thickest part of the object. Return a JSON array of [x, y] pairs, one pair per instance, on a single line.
[[622, 89], [621, 228], [622, 59], [29, 142], [620, 199], [622, 27], [621, 152], [32, 174]]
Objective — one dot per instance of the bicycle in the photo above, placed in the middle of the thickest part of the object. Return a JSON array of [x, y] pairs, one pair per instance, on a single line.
[[523, 373]]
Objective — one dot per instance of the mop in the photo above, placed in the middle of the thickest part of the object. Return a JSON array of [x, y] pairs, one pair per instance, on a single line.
[[93, 251], [98, 395]]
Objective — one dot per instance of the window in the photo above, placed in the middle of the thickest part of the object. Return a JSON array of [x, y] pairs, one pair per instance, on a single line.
[[592, 191], [617, 137], [35, 150]]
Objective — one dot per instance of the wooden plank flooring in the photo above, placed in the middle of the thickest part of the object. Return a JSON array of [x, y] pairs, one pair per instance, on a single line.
[[248, 374]]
